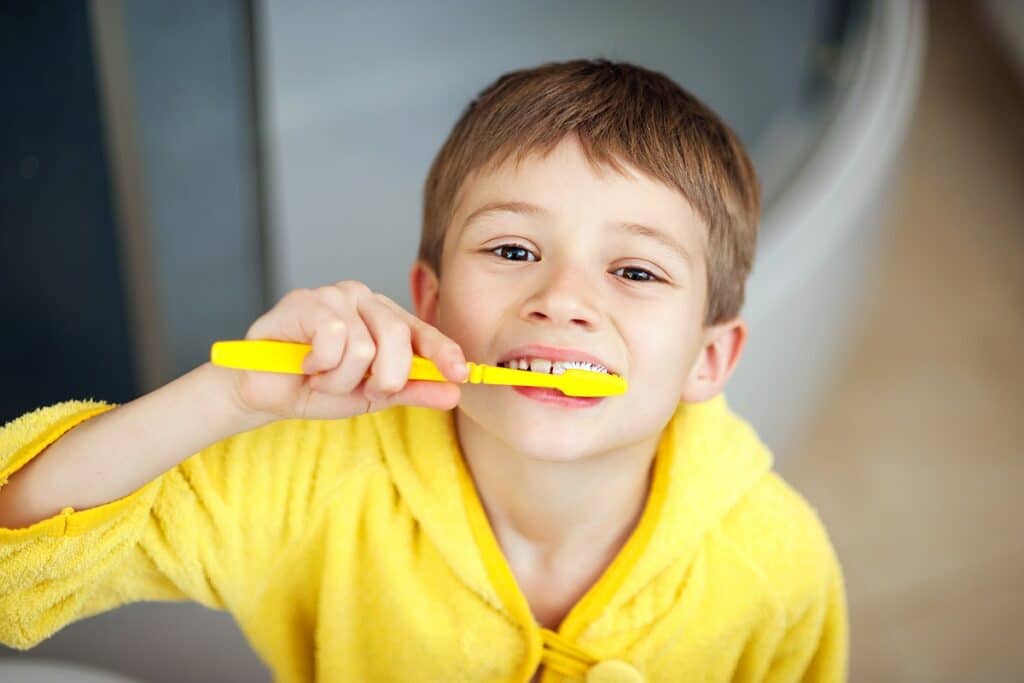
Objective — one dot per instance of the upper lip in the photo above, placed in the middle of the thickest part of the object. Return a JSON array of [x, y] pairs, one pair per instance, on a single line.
[[554, 353]]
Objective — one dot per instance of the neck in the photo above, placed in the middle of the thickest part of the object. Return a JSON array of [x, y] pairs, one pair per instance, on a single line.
[[552, 509]]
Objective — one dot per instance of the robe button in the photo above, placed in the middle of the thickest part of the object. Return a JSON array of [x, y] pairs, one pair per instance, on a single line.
[[613, 671]]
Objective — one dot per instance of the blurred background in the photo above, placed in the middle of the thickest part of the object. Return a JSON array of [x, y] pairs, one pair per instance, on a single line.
[[169, 170]]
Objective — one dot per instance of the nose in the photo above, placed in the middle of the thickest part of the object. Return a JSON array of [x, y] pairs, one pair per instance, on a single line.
[[564, 298]]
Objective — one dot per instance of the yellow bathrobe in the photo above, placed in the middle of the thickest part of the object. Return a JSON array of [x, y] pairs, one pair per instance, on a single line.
[[358, 550]]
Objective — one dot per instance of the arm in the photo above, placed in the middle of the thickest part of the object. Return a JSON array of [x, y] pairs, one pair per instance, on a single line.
[[137, 534], [117, 509], [213, 529], [88, 467], [353, 332]]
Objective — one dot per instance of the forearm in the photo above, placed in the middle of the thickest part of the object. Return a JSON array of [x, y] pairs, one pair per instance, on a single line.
[[111, 455]]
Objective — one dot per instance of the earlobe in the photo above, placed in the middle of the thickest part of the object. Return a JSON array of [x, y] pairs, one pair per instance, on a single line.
[[723, 346], [424, 286]]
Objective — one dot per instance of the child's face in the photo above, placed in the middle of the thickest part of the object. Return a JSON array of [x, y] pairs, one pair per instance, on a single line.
[[571, 276]]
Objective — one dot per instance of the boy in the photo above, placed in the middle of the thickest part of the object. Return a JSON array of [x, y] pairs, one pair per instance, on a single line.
[[583, 211]]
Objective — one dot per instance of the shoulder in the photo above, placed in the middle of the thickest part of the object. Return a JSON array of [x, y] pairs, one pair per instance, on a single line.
[[782, 537]]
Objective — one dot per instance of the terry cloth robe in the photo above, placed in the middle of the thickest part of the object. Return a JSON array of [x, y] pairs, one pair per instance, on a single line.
[[358, 550]]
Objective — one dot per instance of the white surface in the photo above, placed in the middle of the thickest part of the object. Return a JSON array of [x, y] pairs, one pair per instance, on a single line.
[[820, 238], [21, 670]]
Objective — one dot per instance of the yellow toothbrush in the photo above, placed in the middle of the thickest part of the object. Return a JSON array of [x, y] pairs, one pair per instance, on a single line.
[[278, 356]]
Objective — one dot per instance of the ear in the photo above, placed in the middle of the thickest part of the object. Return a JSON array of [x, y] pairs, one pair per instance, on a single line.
[[425, 287], [723, 345]]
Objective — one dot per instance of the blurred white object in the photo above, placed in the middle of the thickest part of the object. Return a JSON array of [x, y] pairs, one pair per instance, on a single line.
[[820, 237], [23, 670]]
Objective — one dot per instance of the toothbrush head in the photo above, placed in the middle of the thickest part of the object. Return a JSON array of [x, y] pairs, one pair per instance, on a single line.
[[588, 383]]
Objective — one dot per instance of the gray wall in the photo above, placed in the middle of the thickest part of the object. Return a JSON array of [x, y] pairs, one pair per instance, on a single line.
[[360, 96]]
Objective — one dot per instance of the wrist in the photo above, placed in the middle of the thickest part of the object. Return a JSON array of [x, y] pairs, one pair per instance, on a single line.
[[231, 407]]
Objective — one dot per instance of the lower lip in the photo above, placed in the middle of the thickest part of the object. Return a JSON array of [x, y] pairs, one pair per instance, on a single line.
[[557, 398]]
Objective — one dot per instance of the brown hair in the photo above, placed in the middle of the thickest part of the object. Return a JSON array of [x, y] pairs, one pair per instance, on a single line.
[[618, 112]]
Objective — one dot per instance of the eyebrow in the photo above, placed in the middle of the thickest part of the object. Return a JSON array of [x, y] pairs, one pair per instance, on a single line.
[[661, 237], [510, 207], [525, 208]]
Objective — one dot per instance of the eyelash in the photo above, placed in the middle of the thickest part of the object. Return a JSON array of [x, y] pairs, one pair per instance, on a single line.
[[651, 276]]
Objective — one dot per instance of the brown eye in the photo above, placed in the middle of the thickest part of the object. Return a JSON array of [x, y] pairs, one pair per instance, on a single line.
[[643, 275], [513, 252]]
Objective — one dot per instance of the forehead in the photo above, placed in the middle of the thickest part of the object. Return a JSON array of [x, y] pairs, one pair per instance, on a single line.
[[570, 189]]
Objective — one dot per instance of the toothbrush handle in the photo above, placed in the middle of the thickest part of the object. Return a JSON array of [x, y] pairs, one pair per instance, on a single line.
[[264, 355], [277, 356]]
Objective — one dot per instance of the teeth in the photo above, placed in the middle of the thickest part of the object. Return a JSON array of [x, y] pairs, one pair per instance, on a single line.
[[560, 366], [555, 368], [540, 365]]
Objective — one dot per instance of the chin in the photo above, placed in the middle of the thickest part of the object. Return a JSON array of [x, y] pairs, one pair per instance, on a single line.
[[549, 452], [551, 445]]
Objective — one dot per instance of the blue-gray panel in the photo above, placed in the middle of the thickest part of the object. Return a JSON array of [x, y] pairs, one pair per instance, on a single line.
[[190, 62], [65, 333]]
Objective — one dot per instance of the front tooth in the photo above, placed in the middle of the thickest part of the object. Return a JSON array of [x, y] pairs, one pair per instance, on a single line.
[[540, 365], [524, 364]]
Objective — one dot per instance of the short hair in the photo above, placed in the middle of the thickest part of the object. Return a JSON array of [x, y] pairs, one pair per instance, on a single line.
[[619, 112]]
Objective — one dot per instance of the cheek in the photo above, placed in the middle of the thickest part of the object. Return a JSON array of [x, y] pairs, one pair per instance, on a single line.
[[659, 346], [467, 321]]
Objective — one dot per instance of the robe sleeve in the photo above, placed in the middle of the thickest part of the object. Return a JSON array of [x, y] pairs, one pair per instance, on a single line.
[[208, 530]]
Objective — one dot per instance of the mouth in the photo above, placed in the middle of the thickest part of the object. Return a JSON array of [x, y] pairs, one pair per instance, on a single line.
[[553, 360]]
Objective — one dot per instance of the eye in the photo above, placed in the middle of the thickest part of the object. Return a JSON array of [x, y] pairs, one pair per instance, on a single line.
[[516, 252], [645, 275], [513, 252]]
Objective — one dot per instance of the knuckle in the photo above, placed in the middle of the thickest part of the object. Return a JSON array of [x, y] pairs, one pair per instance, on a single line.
[[336, 326], [363, 351], [400, 331], [390, 386], [332, 296], [384, 300], [256, 327], [352, 287]]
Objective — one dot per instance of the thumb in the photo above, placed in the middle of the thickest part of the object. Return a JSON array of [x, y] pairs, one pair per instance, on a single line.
[[424, 393]]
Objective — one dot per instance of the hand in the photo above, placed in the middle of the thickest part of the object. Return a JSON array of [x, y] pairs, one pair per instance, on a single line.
[[352, 330]]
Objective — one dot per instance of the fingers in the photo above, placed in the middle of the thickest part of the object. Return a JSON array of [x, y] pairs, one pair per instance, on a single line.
[[357, 354], [393, 338], [362, 349], [284, 321], [329, 339], [429, 342], [439, 395]]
